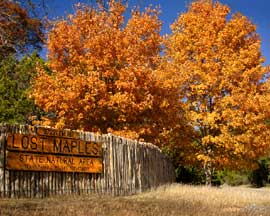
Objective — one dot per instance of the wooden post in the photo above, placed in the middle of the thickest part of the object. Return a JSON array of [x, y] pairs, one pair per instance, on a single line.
[[129, 166], [2, 163]]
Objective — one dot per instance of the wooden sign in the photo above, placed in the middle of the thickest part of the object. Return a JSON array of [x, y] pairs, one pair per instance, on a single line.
[[57, 145], [57, 133], [48, 162], [52, 150]]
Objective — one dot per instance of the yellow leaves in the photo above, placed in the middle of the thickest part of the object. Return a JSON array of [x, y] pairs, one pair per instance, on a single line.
[[60, 124], [125, 133], [164, 104], [203, 158], [80, 116], [108, 75], [216, 63]]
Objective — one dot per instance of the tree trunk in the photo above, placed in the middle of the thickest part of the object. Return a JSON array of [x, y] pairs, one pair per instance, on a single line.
[[208, 173]]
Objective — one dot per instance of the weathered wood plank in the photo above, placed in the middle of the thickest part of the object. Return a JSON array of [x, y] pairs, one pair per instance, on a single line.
[[128, 167]]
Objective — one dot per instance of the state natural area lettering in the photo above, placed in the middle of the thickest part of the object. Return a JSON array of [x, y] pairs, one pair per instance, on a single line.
[[37, 162], [53, 150]]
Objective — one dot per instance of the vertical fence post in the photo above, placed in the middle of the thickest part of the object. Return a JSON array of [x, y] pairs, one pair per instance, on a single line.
[[129, 166], [2, 162]]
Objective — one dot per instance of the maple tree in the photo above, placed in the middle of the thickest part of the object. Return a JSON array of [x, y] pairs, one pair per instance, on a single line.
[[217, 65], [103, 76], [19, 32]]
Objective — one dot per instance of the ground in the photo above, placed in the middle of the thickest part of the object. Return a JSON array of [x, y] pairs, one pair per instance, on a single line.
[[180, 200]]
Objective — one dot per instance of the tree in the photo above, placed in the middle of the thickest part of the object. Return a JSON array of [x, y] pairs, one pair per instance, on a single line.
[[19, 33], [103, 75], [217, 65], [15, 76]]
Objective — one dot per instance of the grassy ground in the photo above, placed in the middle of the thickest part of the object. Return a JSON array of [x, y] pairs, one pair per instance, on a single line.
[[172, 200]]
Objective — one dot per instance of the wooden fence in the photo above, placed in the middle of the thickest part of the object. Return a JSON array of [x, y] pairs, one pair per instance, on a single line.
[[129, 167]]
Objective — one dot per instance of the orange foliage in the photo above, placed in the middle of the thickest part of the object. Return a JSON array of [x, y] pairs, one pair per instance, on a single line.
[[217, 65], [103, 75], [18, 31]]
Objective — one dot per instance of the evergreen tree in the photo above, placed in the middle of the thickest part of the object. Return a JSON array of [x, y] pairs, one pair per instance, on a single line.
[[15, 78]]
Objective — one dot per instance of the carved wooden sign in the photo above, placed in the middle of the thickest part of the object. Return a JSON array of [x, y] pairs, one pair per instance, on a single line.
[[52, 150], [48, 162]]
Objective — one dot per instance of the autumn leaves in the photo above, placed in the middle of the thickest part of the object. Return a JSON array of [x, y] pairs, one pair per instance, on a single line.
[[103, 74], [219, 68], [203, 93]]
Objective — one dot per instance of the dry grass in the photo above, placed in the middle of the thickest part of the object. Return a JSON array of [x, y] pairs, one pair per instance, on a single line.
[[172, 200]]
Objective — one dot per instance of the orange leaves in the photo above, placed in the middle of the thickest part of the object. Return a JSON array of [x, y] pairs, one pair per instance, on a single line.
[[19, 31], [104, 74], [108, 75], [217, 65]]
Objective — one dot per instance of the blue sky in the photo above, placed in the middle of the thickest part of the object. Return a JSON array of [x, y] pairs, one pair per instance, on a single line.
[[258, 11]]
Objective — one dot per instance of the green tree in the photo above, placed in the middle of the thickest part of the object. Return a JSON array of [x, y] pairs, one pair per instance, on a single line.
[[15, 77], [21, 32]]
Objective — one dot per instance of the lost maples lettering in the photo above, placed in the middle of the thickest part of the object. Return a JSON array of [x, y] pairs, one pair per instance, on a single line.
[[53, 150], [46, 144]]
